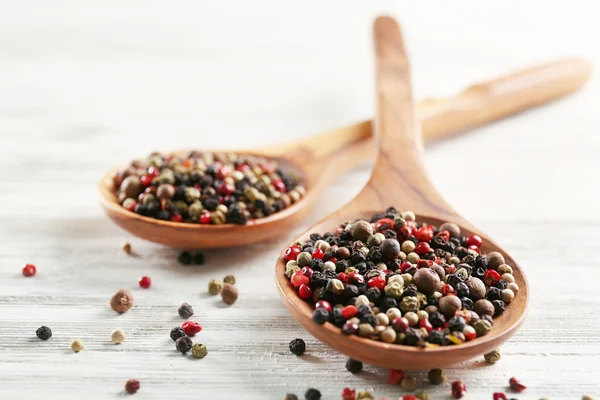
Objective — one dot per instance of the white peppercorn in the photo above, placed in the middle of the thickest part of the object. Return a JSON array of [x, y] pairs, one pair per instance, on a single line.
[[412, 318], [393, 313]]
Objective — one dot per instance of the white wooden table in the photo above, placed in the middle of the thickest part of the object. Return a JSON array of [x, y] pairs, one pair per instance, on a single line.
[[84, 87]]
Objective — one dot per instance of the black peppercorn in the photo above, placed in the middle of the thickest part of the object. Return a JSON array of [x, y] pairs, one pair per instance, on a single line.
[[316, 264], [435, 337], [502, 284], [389, 302], [467, 303], [358, 256], [453, 280], [199, 258], [185, 310], [350, 291], [43, 332], [318, 280], [176, 333], [373, 294], [368, 319], [312, 394], [462, 290], [297, 346], [437, 319], [488, 318], [354, 366], [341, 266], [481, 261], [413, 337], [478, 272], [315, 236], [184, 344], [456, 324], [351, 301], [410, 291], [320, 316], [494, 294], [499, 307], [363, 309], [185, 258]]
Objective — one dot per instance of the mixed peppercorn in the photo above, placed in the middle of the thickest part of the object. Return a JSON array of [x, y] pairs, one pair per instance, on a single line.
[[206, 188], [399, 281]]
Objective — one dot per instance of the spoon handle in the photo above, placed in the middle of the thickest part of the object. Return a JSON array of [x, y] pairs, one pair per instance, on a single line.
[[399, 177]]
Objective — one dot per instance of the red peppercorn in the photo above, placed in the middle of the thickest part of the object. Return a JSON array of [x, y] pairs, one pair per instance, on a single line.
[[131, 206], [516, 385], [223, 172], [132, 386], [291, 253], [348, 394], [410, 397], [383, 224], [29, 270], [450, 269], [323, 304], [422, 248], [176, 218], [378, 282], [226, 189], [152, 170], [470, 335], [343, 277], [403, 233], [424, 264], [191, 328], [349, 312], [205, 218], [318, 253], [404, 266], [424, 323], [146, 179], [298, 279], [473, 240], [333, 260], [355, 277], [448, 290], [305, 292], [424, 234], [491, 277], [444, 235], [242, 168], [499, 396], [307, 271], [279, 185], [475, 249], [145, 282], [400, 324], [267, 168], [458, 389], [395, 377]]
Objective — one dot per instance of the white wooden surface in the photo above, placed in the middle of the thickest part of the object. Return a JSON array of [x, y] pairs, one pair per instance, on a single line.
[[87, 85]]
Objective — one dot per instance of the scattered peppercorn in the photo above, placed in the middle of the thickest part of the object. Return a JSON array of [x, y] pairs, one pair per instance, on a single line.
[[132, 386], [290, 396], [121, 301], [215, 286], [117, 336], [229, 279], [185, 258], [298, 347], [206, 188], [185, 310], [409, 384], [436, 376], [183, 344], [398, 280], [126, 247], [312, 394], [492, 357], [43, 332], [29, 270], [199, 350], [395, 377], [144, 282], [191, 328], [458, 389], [199, 258], [354, 366], [516, 385], [176, 333], [77, 345], [421, 395], [229, 294]]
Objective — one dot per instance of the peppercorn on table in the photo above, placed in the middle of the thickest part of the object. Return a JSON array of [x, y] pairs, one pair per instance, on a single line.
[[88, 86]]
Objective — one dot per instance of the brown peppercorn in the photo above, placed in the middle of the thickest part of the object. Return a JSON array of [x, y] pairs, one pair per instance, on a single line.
[[439, 270], [390, 248], [426, 280], [495, 259], [126, 247], [165, 191], [476, 288], [131, 186], [449, 305], [342, 253], [483, 307], [361, 230], [452, 228], [229, 293], [121, 301], [132, 386], [492, 357]]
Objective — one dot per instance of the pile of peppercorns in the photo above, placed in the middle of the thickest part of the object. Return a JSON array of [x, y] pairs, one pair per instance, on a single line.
[[206, 188], [399, 281]]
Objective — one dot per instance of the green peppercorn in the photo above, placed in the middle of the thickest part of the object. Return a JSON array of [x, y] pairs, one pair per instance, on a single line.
[[482, 327], [409, 303], [413, 258], [492, 357], [407, 278], [409, 383], [304, 259], [335, 286], [375, 240], [291, 267], [505, 269], [215, 286], [394, 290], [408, 246], [364, 395], [365, 330], [437, 376], [229, 279], [421, 395], [191, 194], [199, 350], [195, 210], [217, 218]]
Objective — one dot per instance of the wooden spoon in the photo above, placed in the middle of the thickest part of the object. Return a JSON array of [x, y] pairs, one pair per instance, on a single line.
[[324, 157], [400, 179]]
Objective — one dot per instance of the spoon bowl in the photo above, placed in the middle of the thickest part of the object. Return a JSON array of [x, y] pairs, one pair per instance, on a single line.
[[321, 159], [400, 179]]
